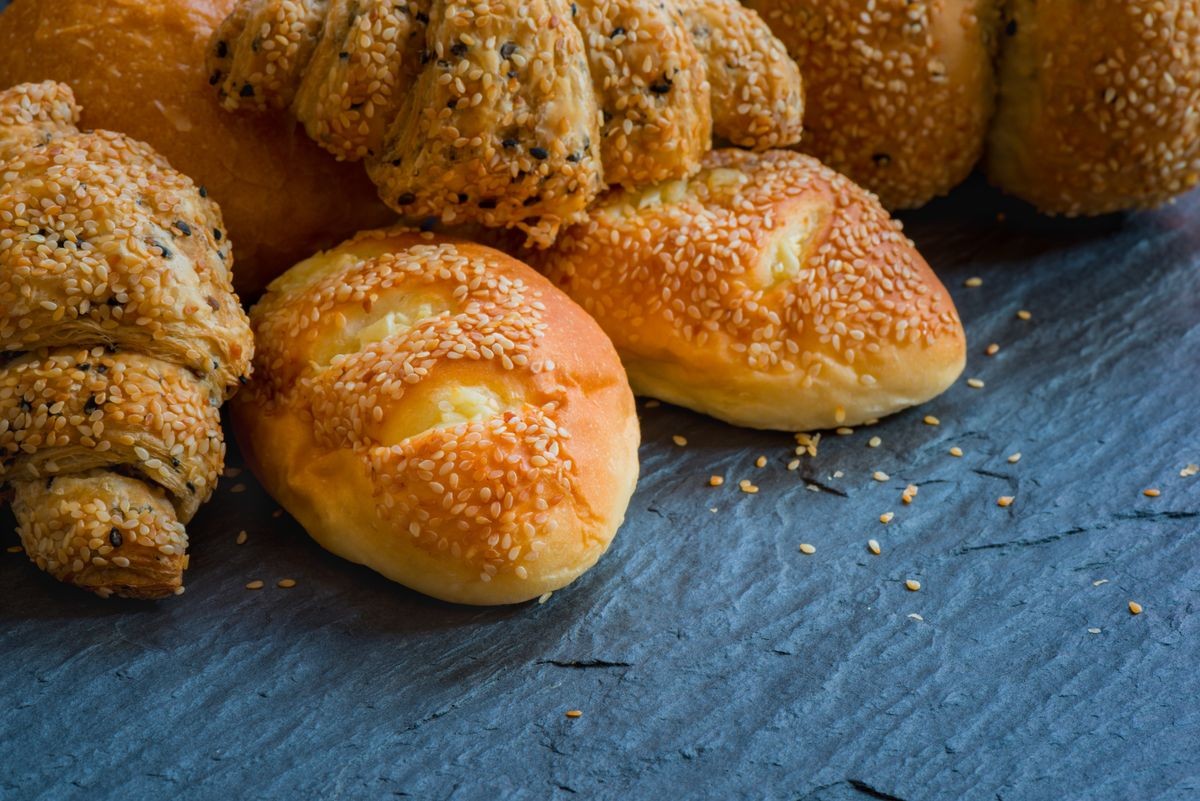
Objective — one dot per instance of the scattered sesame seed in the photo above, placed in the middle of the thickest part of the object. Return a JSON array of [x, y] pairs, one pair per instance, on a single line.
[[930, 420], [805, 548], [793, 465], [242, 537], [1098, 582], [574, 713], [679, 440], [874, 442], [1093, 631], [916, 617], [254, 585], [992, 349], [956, 451], [1024, 315], [879, 475], [286, 584], [1190, 470], [1014, 458], [910, 492], [236, 488], [886, 517], [912, 585], [1135, 608], [975, 383], [1004, 500], [812, 488], [747, 487], [760, 461], [14, 549], [973, 281], [653, 404], [844, 431], [1152, 492], [838, 474], [873, 547], [716, 481], [545, 596]]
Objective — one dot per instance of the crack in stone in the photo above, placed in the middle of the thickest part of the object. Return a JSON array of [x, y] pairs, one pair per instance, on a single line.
[[872, 792], [584, 664]]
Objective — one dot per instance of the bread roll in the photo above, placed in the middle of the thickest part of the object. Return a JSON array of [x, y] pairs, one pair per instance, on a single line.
[[120, 336], [439, 412], [506, 114], [137, 66], [1099, 104], [899, 92], [768, 291]]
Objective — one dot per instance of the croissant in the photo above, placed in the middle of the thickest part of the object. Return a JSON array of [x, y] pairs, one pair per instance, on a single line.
[[512, 114], [120, 337]]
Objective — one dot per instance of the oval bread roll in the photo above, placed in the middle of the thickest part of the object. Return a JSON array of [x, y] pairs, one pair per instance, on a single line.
[[768, 291], [439, 412]]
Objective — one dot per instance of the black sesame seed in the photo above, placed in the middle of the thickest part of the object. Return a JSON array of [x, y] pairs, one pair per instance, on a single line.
[[661, 88], [356, 106], [426, 57], [247, 91], [539, 153], [222, 49], [1011, 28], [422, 17], [428, 224], [183, 227], [85, 367], [487, 203], [50, 482], [166, 252], [532, 200], [452, 103], [102, 369], [513, 74], [217, 234], [213, 302], [509, 144], [190, 487], [459, 49], [507, 49], [575, 158], [343, 55], [114, 536], [243, 380], [215, 78], [203, 191], [407, 199], [91, 405], [881, 159], [26, 406], [617, 31]]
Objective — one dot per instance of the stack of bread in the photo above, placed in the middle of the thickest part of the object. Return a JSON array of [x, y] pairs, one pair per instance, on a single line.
[[432, 407]]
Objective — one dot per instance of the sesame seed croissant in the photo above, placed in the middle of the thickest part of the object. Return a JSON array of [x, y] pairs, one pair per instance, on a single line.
[[120, 337], [512, 114]]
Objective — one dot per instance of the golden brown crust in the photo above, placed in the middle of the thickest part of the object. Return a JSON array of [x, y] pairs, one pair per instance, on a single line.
[[899, 92], [437, 411], [1098, 104], [137, 66], [509, 114], [120, 335], [767, 290]]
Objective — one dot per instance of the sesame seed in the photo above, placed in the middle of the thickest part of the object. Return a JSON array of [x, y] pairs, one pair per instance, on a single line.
[[992, 349], [747, 487], [806, 548], [545, 596], [886, 517], [760, 462], [1190, 470], [237, 488], [910, 492], [930, 420], [879, 475], [1014, 458], [1004, 500], [254, 585], [874, 442], [1093, 630], [679, 440], [242, 537], [873, 547], [844, 431], [975, 383], [793, 464], [286, 583], [1151, 492], [956, 451], [1135, 608], [973, 281], [574, 713], [1098, 582], [653, 404], [912, 585], [716, 481], [1024, 315], [916, 617], [14, 549]]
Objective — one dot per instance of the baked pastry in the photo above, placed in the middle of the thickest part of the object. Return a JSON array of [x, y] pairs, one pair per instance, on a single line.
[[1096, 108], [1098, 105], [511, 114], [899, 92], [137, 66], [437, 411], [120, 336], [767, 290]]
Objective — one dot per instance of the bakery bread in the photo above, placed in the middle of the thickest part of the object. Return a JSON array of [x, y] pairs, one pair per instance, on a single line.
[[1099, 105], [511, 114], [137, 66], [120, 336], [1096, 107], [899, 92], [437, 411], [768, 291]]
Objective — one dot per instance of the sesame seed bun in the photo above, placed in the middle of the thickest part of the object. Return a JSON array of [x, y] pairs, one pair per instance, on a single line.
[[899, 93], [137, 67], [1098, 104], [768, 291], [439, 412]]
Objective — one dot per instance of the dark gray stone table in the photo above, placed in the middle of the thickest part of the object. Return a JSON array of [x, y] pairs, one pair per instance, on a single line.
[[710, 658]]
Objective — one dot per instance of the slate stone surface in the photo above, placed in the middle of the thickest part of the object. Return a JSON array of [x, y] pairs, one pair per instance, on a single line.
[[709, 657]]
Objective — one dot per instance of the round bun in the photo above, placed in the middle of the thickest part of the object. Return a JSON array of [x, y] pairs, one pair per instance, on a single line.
[[439, 412], [137, 67], [898, 93], [1099, 102], [768, 291]]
